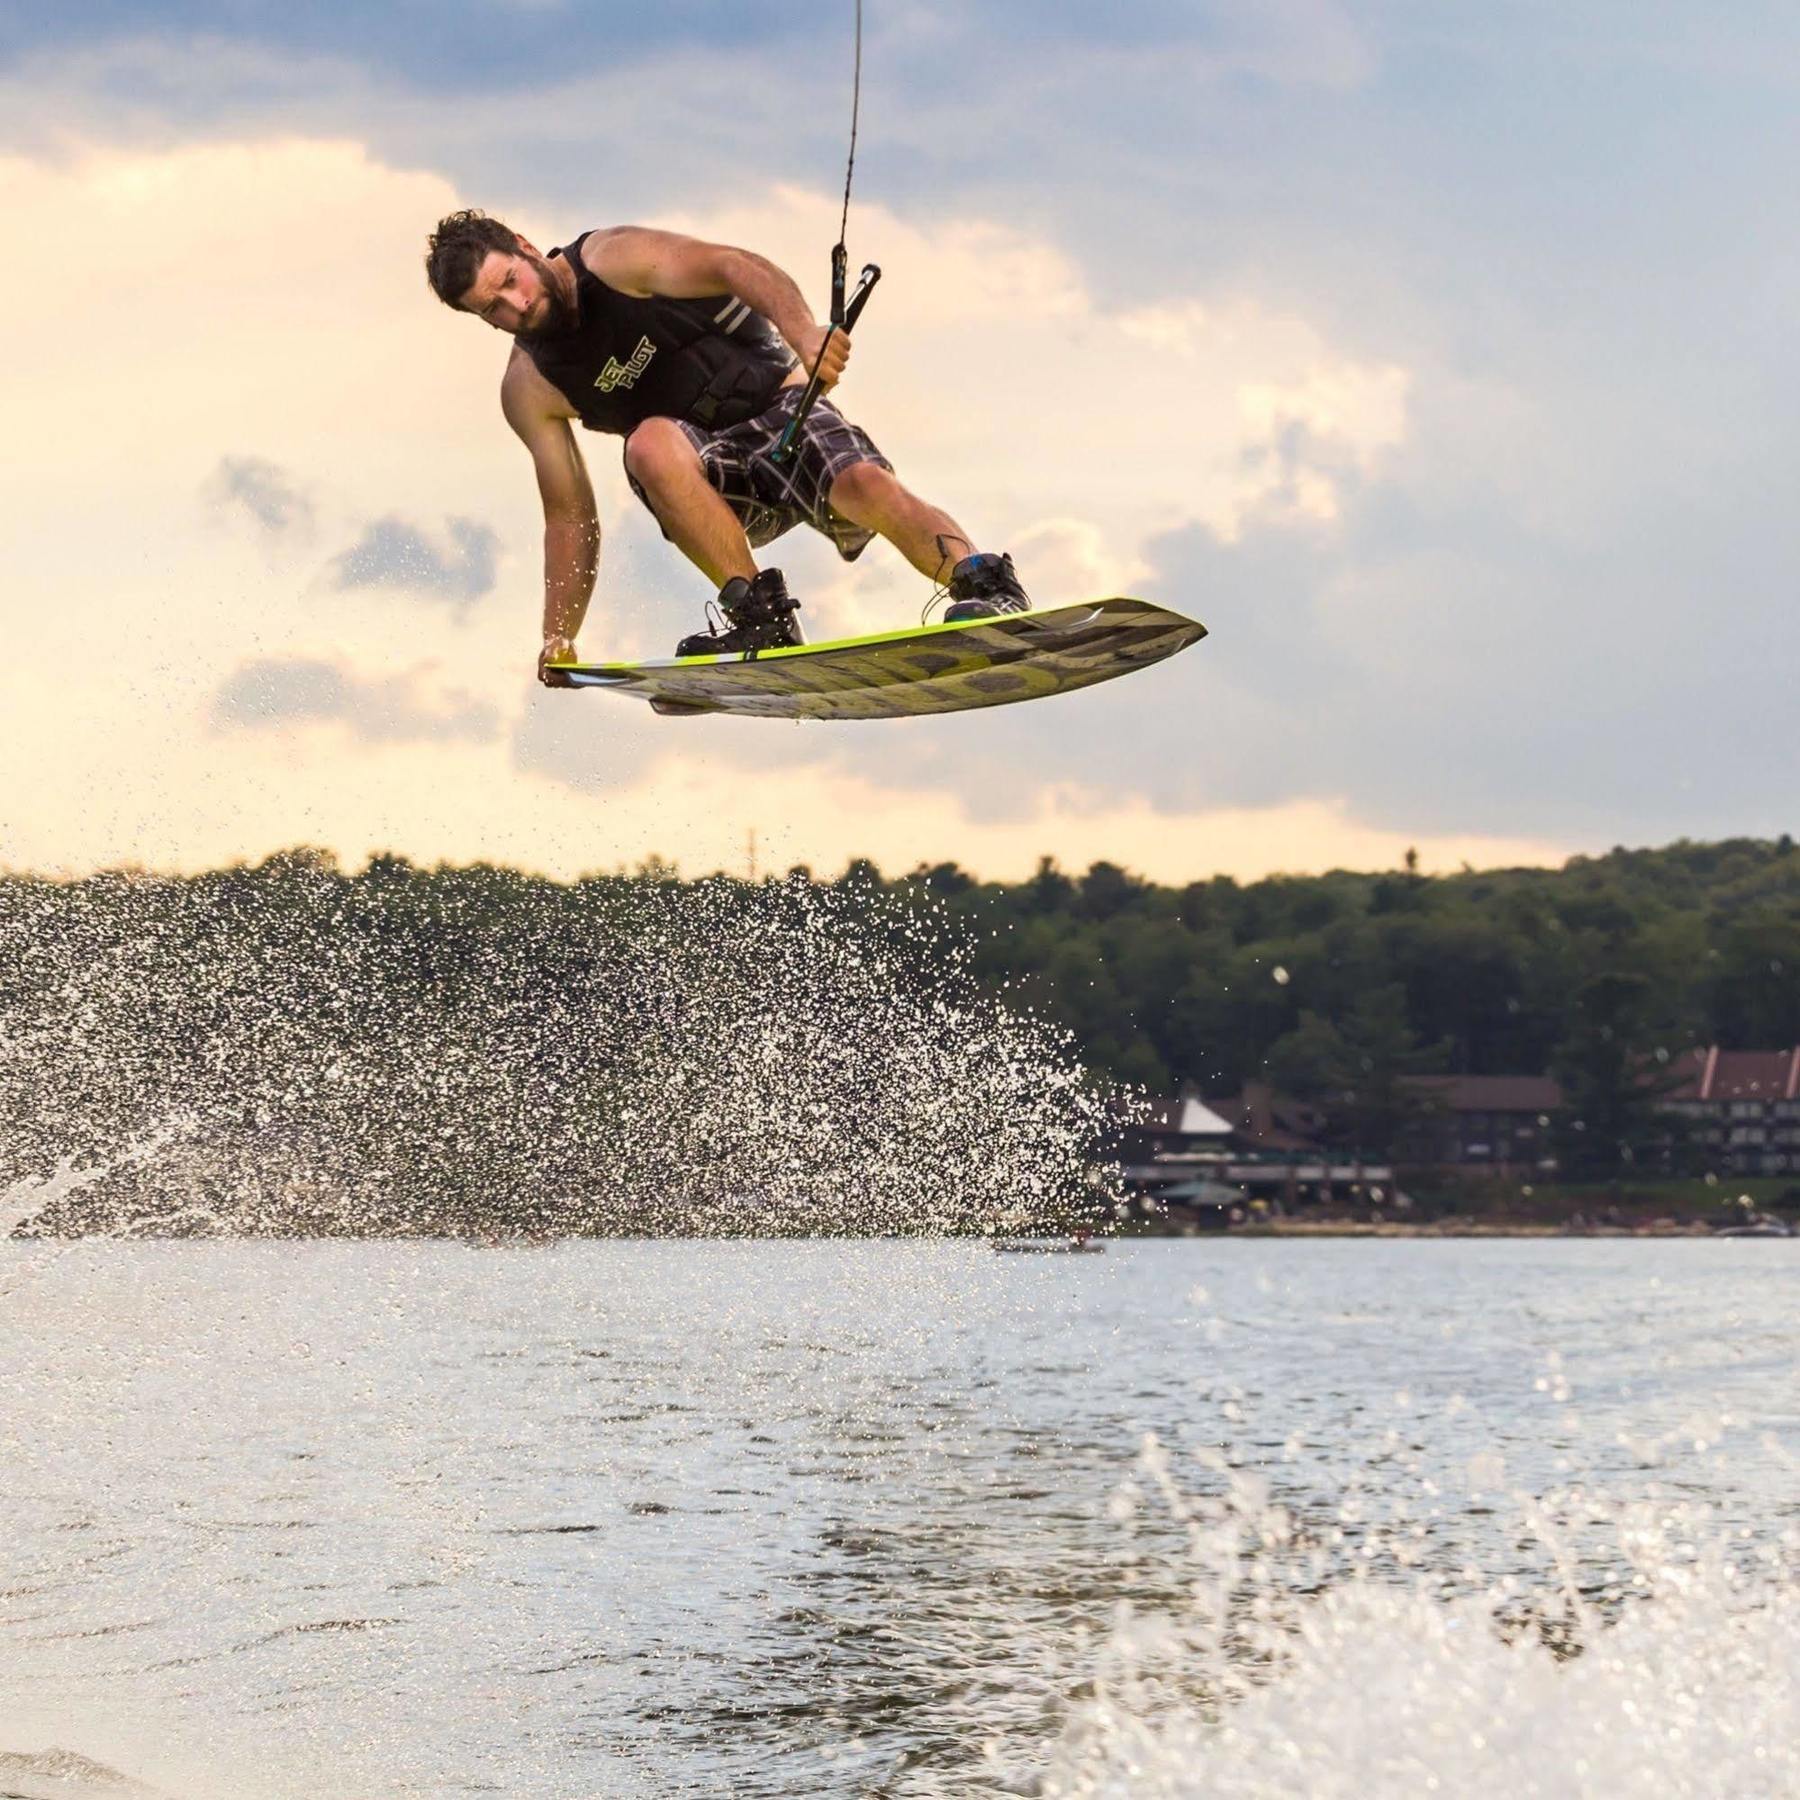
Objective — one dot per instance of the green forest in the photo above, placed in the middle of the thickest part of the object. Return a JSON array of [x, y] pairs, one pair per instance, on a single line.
[[1297, 979]]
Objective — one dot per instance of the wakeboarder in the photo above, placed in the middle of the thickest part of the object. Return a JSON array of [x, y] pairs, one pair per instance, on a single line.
[[696, 354]]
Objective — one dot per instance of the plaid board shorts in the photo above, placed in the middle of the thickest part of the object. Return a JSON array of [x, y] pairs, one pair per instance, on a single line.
[[827, 445]]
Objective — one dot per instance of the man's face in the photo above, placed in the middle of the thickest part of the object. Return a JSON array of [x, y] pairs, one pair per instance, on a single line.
[[515, 292]]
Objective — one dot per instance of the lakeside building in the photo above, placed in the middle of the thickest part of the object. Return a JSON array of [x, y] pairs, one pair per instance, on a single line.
[[1212, 1163], [1734, 1111], [1499, 1122], [1740, 1107]]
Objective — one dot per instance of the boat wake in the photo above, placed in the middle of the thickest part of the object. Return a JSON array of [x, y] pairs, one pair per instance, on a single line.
[[1631, 1652], [63, 1775]]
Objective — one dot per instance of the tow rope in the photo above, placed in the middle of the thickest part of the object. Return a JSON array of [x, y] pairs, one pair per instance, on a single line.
[[844, 314]]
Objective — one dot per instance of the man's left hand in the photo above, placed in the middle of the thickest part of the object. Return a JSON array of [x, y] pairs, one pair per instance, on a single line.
[[836, 347]]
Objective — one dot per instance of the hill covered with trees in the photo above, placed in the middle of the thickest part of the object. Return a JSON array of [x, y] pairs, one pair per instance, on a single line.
[[1483, 972]]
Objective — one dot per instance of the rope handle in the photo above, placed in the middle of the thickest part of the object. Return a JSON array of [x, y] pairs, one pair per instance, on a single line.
[[843, 318]]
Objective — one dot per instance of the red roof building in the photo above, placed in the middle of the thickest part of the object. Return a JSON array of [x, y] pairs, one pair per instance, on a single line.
[[1743, 1106], [1714, 1076]]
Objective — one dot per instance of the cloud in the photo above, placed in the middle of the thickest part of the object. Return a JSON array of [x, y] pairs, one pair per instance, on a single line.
[[715, 100], [266, 492], [1133, 420], [477, 45], [272, 693], [393, 553], [822, 816], [473, 44]]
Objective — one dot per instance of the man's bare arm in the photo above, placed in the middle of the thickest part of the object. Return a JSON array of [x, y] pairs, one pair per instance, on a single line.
[[571, 521], [639, 260]]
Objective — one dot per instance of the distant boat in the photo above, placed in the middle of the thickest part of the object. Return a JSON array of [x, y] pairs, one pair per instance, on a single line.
[[1762, 1228], [1075, 1246]]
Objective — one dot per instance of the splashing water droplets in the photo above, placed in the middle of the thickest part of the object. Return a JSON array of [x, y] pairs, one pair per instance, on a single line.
[[406, 1053]]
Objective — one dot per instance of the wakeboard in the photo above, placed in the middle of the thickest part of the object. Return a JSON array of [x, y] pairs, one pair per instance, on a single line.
[[909, 674]]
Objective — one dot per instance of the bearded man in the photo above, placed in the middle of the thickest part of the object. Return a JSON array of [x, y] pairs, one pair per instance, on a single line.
[[696, 354]]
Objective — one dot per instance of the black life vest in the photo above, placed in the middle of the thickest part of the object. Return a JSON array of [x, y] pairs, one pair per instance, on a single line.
[[711, 361]]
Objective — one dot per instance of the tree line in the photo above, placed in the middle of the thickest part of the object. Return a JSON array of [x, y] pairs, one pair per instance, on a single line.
[[1487, 970]]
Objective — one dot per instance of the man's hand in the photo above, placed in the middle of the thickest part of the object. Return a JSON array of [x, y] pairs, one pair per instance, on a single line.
[[555, 650], [836, 346]]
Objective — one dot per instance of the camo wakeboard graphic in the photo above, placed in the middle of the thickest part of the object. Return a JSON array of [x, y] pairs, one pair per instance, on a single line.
[[909, 674]]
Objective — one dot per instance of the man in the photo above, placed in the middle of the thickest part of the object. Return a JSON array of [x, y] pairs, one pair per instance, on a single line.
[[696, 354]]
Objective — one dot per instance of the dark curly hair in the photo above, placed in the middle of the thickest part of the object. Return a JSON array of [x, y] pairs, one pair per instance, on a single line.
[[457, 249]]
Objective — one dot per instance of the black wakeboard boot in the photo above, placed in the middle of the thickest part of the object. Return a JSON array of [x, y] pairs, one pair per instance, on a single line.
[[983, 587], [759, 615]]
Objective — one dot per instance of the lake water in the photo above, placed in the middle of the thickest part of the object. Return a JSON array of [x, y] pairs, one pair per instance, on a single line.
[[773, 1519]]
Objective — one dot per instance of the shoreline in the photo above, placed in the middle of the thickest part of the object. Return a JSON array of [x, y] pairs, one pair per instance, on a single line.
[[1661, 1231], [1459, 1228]]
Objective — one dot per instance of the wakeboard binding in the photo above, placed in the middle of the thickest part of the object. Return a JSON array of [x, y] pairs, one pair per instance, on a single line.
[[983, 587], [759, 615]]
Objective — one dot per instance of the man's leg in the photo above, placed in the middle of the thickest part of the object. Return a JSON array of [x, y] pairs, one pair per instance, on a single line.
[[872, 497], [689, 508]]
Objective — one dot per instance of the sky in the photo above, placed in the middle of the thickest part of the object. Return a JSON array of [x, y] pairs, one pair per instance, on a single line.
[[1438, 357]]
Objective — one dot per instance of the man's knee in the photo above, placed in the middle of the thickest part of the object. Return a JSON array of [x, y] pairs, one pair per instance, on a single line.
[[656, 450], [864, 487]]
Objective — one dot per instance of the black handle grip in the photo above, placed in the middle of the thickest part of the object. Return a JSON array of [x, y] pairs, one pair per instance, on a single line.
[[865, 286], [842, 319]]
